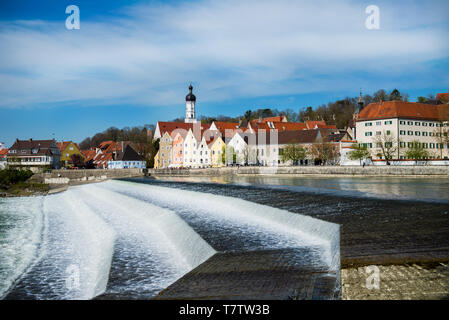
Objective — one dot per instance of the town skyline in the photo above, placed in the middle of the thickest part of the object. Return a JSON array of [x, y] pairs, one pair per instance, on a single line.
[[130, 64]]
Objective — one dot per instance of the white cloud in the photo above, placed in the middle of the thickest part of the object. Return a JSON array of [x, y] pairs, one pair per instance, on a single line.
[[228, 48]]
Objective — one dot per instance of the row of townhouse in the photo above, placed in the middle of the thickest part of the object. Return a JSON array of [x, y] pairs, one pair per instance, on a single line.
[[210, 147]]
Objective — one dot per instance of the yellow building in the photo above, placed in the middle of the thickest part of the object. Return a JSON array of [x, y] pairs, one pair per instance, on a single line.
[[165, 150], [157, 164], [216, 151], [68, 148]]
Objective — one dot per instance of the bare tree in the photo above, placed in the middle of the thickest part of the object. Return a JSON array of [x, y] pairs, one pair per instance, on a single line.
[[386, 145]]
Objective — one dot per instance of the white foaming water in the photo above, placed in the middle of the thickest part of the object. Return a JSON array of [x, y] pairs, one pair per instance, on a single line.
[[266, 227], [77, 252], [21, 227], [156, 247]]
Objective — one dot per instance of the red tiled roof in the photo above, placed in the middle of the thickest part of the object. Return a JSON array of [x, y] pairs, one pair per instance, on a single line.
[[327, 126], [289, 126], [443, 96], [88, 154], [401, 109], [3, 153], [273, 119], [312, 123], [171, 126], [221, 125]]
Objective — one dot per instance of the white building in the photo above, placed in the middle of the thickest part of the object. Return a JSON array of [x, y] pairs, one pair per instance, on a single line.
[[203, 154], [127, 159], [403, 123]]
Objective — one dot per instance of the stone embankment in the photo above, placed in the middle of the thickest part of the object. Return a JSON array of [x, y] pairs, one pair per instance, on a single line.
[[309, 170], [73, 177]]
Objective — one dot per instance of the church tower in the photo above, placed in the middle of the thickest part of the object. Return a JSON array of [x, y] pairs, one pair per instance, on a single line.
[[190, 107], [360, 104], [355, 116]]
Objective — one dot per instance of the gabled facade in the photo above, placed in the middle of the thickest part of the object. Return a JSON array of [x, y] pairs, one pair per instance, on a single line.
[[165, 149], [157, 161], [216, 148], [67, 149], [203, 154], [178, 149], [190, 150]]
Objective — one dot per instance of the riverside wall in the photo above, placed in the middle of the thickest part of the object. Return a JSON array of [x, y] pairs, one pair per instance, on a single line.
[[442, 171], [91, 175]]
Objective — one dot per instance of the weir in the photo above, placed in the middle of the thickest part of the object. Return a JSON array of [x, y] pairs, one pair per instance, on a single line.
[[130, 240]]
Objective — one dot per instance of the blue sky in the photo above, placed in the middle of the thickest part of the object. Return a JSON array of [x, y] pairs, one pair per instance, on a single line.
[[131, 62]]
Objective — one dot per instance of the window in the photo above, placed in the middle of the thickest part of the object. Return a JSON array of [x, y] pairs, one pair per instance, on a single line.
[[431, 124], [368, 124], [388, 122], [417, 123], [424, 124], [409, 144], [424, 133], [402, 122], [417, 133], [402, 132], [410, 123], [432, 145], [388, 132], [378, 133], [368, 134], [378, 123], [402, 144], [378, 145], [410, 133]]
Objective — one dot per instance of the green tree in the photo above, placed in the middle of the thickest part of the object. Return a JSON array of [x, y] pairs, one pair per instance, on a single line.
[[293, 152], [358, 152], [416, 152]]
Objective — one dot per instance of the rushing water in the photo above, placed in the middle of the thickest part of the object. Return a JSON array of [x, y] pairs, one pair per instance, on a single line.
[[130, 238]]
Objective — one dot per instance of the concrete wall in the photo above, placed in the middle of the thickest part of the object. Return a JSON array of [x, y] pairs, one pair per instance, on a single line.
[[312, 170], [69, 176]]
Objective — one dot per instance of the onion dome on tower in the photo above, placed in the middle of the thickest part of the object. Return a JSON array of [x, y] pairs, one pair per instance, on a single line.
[[190, 96]]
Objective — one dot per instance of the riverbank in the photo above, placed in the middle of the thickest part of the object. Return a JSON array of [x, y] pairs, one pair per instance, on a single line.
[[410, 281], [378, 171]]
